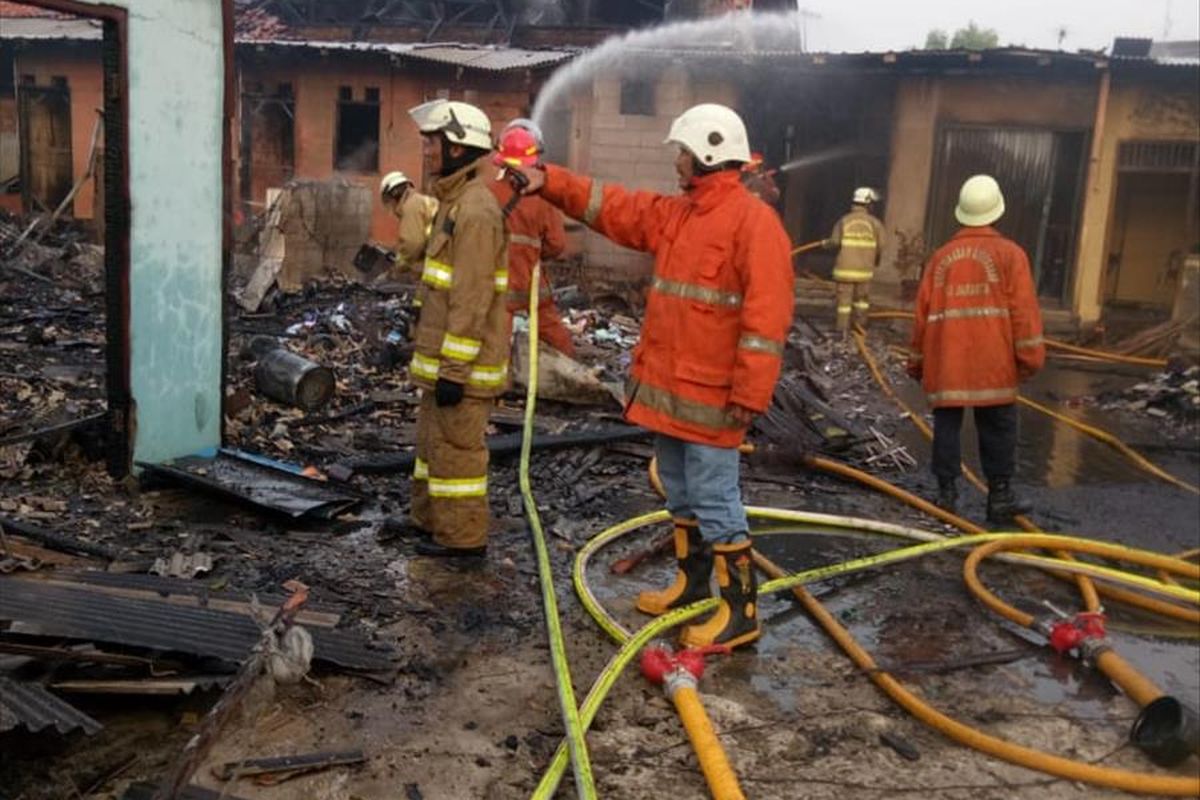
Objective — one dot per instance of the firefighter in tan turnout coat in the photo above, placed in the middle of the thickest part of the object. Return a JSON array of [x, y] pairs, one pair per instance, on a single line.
[[858, 238], [462, 338]]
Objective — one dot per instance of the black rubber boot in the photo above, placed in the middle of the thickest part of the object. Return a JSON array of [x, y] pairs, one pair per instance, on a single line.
[[694, 559], [401, 528], [735, 622], [1003, 504], [947, 497]]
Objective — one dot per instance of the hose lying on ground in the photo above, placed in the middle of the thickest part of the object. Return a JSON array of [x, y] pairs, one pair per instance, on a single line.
[[1153, 784], [584, 781]]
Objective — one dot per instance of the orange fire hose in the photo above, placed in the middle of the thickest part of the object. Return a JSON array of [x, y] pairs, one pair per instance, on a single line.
[[721, 779], [1139, 688], [1013, 753]]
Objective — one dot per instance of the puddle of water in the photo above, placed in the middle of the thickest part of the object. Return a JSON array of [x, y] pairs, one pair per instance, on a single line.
[[1051, 454]]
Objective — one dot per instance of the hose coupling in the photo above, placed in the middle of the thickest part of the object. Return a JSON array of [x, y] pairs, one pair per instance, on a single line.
[[1084, 633]]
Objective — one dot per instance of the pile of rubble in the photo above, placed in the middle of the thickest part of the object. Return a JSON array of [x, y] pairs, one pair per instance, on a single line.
[[1172, 393]]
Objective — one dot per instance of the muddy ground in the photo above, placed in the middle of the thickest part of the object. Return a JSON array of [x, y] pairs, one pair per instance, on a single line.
[[471, 710]]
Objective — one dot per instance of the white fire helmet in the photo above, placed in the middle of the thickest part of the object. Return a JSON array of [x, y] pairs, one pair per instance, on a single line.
[[712, 133], [865, 195], [980, 202], [392, 181], [461, 123]]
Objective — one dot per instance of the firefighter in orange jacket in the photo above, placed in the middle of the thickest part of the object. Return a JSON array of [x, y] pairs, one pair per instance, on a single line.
[[717, 317], [978, 333], [535, 233]]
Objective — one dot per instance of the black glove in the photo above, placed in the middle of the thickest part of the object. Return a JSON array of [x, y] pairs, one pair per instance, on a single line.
[[447, 394]]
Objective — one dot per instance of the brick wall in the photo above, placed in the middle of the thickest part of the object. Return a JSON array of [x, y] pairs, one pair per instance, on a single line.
[[316, 81]]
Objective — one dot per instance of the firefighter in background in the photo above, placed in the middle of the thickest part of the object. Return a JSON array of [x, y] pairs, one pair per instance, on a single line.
[[977, 334], [415, 213], [858, 238], [760, 181], [462, 337], [535, 232], [717, 317]]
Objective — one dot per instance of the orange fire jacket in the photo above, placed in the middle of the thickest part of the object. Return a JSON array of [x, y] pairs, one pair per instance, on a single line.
[[535, 232], [978, 328], [720, 302]]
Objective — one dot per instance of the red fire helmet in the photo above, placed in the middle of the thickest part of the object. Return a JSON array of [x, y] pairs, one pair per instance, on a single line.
[[518, 147]]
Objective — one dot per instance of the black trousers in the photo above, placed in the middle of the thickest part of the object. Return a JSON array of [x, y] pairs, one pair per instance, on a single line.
[[997, 428]]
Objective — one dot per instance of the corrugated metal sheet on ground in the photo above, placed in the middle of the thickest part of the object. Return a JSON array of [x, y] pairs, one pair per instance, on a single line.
[[30, 706], [89, 615], [256, 480], [165, 587]]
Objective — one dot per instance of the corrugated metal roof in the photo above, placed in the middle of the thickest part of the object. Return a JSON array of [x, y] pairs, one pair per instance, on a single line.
[[45, 28], [496, 59], [30, 706], [472, 56], [89, 615], [1176, 53]]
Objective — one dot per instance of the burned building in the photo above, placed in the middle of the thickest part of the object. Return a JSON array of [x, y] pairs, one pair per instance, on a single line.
[[1098, 153]]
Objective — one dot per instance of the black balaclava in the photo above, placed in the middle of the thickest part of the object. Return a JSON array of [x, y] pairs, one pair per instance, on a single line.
[[450, 164]]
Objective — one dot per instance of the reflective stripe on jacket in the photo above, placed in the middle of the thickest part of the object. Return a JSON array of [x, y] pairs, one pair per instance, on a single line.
[[719, 307], [978, 328], [463, 332], [859, 239], [535, 232]]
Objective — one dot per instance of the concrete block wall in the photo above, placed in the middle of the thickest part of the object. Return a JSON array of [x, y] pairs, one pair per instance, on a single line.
[[629, 149]]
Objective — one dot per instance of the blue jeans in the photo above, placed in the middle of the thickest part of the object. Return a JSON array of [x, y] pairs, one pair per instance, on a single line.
[[702, 484]]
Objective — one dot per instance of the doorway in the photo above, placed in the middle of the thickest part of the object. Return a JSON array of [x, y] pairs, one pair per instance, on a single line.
[[1154, 222], [1041, 173], [44, 115]]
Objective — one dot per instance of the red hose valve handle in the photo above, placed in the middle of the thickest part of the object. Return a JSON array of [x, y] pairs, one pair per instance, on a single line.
[[658, 662], [1074, 633]]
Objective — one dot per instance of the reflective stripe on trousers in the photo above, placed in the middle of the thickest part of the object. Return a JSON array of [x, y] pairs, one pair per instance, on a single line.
[[450, 501]]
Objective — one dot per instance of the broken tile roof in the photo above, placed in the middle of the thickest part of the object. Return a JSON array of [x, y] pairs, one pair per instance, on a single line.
[[30, 706], [31, 28], [10, 10], [256, 24]]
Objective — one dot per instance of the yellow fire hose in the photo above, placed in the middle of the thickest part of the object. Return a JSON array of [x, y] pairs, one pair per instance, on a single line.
[[804, 248], [1112, 441], [1056, 344], [584, 781], [1058, 766]]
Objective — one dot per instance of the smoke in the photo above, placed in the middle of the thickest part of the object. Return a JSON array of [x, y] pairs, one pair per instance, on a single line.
[[736, 36], [541, 12]]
